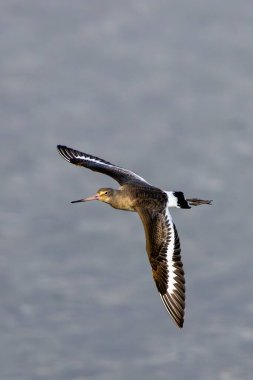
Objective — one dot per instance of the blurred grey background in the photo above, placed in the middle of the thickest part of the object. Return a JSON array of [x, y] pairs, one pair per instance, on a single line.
[[163, 88]]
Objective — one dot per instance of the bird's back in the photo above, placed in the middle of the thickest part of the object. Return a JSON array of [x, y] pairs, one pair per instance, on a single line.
[[148, 197]]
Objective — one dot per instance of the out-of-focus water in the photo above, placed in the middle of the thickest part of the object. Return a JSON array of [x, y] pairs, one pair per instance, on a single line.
[[163, 88]]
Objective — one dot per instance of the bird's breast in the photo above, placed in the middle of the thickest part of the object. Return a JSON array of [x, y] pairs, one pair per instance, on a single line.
[[123, 202]]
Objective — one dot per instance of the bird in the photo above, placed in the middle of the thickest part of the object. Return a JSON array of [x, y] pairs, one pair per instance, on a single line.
[[152, 205]]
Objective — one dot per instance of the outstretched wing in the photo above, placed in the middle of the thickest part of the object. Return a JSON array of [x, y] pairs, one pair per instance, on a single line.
[[163, 248], [121, 175]]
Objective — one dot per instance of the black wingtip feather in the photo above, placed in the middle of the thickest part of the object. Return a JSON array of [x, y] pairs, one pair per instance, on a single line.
[[175, 310], [65, 152]]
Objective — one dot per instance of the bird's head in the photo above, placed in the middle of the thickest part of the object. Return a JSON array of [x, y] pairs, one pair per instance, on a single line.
[[104, 194]]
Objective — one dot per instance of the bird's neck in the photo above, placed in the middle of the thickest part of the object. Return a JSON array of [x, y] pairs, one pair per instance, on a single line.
[[122, 200]]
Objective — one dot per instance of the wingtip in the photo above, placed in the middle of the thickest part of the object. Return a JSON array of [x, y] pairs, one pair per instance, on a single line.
[[59, 147], [179, 323], [173, 309], [65, 152]]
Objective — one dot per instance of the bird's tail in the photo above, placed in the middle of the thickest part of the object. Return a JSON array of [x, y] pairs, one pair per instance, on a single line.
[[178, 200], [198, 202]]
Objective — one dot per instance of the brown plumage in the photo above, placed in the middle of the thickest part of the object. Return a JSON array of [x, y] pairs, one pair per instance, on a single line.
[[152, 205]]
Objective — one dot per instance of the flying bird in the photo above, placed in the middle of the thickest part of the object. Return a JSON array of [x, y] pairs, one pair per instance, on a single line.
[[152, 204]]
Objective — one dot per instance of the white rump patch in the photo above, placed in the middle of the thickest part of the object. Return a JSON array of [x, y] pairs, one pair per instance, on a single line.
[[172, 199]]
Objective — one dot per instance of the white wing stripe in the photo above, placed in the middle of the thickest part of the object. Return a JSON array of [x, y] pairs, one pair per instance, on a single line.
[[111, 165], [69, 153], [170, 251], [83, 158]]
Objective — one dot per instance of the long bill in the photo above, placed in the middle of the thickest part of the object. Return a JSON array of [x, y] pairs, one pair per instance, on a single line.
[[92, 198]]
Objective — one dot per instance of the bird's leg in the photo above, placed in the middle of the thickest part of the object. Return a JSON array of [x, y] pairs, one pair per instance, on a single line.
[[198, 202]]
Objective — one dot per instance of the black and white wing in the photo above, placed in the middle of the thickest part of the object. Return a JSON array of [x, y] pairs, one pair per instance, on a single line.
[[121, 175], [164, 252]]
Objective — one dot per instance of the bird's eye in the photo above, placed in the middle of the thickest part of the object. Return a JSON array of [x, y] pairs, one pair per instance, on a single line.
[[106, 192]]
